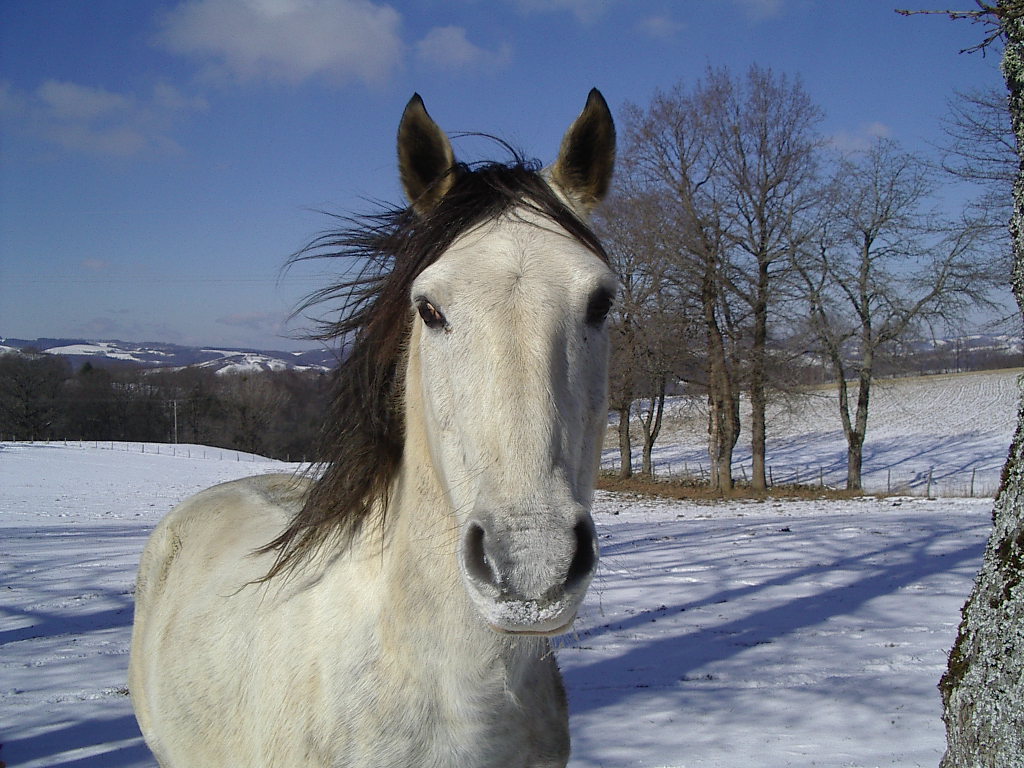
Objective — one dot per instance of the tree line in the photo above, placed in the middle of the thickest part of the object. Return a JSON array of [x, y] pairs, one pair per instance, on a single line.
[[271, 413], [751, 249]]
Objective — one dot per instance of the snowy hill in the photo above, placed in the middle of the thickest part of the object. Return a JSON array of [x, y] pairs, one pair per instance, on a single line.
[[737, 634], [153, 354], [955, 427], [232, 362]]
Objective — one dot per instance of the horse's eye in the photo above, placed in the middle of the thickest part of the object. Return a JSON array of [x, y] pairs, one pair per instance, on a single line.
[[599, 306], [431, 315]]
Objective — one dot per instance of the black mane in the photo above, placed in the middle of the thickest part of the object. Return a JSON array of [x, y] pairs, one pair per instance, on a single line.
[[361, 442]]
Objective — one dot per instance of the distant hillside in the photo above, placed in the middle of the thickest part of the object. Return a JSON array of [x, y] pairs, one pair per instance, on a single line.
[[116, 353], [946, 432]]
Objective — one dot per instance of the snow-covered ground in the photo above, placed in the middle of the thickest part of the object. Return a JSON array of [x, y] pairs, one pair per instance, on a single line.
[[719, 635], [956, 428]]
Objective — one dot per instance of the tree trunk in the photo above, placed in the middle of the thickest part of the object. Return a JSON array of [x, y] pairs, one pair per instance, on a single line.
[[651, 424], [723, 404], [854, 461], [758, 401], [855, 438], [625, 445], [983, 688], [854, 435]]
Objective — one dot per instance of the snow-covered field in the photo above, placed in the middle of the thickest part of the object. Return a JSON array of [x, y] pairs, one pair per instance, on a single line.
[[738, 634], [955, 428]]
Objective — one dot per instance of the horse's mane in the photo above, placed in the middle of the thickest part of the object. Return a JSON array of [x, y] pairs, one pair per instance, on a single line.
[[361, 441]]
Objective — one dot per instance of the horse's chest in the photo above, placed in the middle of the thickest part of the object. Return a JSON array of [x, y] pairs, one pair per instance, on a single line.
[[426, 720]]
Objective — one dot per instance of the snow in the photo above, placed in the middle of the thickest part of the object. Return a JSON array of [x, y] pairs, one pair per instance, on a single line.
[[955, 428], [770, 634], [103, 349], [241, 363], [778, 633]]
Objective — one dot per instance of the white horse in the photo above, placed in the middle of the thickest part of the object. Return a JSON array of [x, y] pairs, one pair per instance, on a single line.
[[395, 611]]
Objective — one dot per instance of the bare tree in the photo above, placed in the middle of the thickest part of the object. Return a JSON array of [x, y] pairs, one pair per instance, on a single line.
[[649, 325], [765, 131], [980, 148], [252, 401], [880, 266], [30, 389], [670, 154], [734, 158]]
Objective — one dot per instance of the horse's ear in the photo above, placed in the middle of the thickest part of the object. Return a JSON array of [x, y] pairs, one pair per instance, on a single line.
[[586, 158], [425, 157]]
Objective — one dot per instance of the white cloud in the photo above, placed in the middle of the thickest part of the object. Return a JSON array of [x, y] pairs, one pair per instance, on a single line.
[[69, 101], [448, 49], [287, 40], [83, 118], [757, 10], [584, 10], [861, 138], [878, 130], [95, 265], [661, 27]]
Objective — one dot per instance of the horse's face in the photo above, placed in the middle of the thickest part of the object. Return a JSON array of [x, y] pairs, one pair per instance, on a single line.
[[512, 347], [513, 354]]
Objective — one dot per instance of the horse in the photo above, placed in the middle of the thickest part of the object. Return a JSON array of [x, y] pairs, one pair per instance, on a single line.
[[395, 607]]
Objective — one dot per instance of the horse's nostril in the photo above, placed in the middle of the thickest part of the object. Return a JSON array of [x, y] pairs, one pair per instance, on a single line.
[[583, 562], [478, 565]]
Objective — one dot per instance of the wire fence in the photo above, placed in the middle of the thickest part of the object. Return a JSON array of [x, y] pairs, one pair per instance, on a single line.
[[930, 482], [160, 449]]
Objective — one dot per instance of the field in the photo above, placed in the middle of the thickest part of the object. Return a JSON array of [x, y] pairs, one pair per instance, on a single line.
[[955, 428], [779, 633]]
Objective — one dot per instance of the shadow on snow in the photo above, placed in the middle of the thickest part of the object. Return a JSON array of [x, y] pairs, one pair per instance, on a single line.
[[667, 660]]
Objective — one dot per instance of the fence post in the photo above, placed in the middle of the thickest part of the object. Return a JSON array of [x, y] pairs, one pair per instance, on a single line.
[[930, 481], [975, 469], [888, 480]]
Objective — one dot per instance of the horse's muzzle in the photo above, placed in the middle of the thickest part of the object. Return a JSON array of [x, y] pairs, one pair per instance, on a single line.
[[528, 580]]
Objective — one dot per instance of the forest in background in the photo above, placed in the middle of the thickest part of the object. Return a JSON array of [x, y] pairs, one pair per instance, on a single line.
[[272, 413]]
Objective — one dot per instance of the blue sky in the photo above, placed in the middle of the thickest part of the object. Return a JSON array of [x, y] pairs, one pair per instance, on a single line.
[[159, 161]]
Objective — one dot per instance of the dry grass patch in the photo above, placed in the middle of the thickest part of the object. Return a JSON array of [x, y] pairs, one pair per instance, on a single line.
[[694, 490]]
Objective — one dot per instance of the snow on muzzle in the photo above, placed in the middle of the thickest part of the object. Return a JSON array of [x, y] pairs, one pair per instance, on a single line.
[[528, 579]]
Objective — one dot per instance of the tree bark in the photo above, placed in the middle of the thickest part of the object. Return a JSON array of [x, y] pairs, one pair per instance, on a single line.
[[723, 404], [855, 438], [651, 423], [625, 445], [758, 401], [983, 688]]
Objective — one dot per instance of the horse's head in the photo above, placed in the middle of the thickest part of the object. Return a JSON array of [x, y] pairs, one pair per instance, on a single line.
[[511, 349]]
